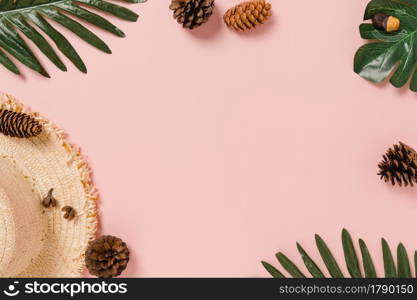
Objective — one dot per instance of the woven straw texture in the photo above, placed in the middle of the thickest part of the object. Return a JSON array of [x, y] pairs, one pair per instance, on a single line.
[[37, 241]]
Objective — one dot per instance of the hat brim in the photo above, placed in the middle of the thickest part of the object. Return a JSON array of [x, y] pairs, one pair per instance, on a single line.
[[50, 161]]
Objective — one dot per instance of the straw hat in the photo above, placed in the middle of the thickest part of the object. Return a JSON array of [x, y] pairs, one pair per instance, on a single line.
[[36, 241]]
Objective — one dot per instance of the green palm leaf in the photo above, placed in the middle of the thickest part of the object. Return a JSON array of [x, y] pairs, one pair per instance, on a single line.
[[389, 264], [272, 270], [328, 258], [352, 261], [289, 266], [368, 264], [31, 19], [404, 270], [415, 263], [309, 263]]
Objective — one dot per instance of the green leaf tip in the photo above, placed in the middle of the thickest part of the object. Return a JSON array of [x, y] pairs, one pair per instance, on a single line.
[[272, 270], [309, 263], [289, 266], [389, 264], [351, 258], [368, 264], [328, 258], [404, 270]]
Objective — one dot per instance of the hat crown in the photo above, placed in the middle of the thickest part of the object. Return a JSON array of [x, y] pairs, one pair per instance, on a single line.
[[20, 212]]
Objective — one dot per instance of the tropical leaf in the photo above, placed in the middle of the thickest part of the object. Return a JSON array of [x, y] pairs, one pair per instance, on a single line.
[[289, 266], [272, 270], [368, 264], [310, 264], [350, 255], [353, 263], [390, 53], [389, 264], [31, 17], [415, 263], [328, 258], [404, 270]]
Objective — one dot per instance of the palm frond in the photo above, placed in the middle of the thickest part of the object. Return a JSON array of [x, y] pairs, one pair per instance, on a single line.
[[309, 263], [404, 270], [389, 264], [289, 266], [328, 258], [272, 270], [351, 258], [368, 264], [31, 17], [355, 265]]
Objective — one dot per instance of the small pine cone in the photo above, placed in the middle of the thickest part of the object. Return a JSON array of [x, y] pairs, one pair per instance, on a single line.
[[399, 165], [70, 212], [247, 15], [107, 256], [20, 125], [49, 200], [192, 13]]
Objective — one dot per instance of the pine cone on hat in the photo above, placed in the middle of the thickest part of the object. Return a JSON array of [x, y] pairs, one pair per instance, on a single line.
[[107, 256], [192, 13], [399, 165], [20, 125], [247, 15]]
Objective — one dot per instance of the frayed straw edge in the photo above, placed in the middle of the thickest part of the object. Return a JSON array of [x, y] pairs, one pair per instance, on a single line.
[[74, 157]]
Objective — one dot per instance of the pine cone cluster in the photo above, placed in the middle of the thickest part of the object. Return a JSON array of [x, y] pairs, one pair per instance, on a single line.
[[247, 15], [107, 256], [192, 13], [20, 125], [399, 165]]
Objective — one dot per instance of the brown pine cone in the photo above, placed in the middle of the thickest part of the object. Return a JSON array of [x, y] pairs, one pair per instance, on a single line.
[[399, 165], [247, 15], [107, 256], [192, 13], [20, 125], [70, 212], [49, 200]]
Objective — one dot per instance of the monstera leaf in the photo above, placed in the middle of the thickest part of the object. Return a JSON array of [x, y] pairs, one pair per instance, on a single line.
[[390, 53], [356, 267], [31, 17]]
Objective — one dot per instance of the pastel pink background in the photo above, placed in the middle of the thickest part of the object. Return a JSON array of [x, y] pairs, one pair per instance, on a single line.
[[213, 150]]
